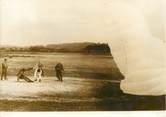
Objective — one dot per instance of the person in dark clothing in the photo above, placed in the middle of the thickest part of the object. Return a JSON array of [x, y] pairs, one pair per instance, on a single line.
[[21, 75], [4, 70], [59, 71]]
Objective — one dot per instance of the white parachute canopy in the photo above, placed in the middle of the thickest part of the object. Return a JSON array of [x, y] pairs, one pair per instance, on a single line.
[[139, 48]]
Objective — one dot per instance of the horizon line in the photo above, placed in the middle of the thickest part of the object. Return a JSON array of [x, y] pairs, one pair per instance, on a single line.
[[10, 45]]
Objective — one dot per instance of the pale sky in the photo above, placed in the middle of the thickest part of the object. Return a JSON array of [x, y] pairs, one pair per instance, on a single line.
[[31, 22]]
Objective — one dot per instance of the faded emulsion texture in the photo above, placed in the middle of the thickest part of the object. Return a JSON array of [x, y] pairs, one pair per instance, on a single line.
[[82, 55]]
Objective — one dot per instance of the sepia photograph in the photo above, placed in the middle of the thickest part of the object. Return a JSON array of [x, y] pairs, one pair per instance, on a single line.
[[82, 55]]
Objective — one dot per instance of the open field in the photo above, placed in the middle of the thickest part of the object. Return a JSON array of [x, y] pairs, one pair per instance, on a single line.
[[91, 83], [75, 65]]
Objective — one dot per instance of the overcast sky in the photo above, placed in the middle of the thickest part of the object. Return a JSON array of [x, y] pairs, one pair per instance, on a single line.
[[31, 22]]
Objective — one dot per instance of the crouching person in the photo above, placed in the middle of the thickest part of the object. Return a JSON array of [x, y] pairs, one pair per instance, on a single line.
[[21, 75], [59, 71]]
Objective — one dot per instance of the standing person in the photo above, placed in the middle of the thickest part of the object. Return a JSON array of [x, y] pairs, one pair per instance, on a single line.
[[4, 70], [59, 69], [38, 72]]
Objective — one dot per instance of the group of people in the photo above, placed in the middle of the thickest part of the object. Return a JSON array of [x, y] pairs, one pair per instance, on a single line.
[[38, 72]]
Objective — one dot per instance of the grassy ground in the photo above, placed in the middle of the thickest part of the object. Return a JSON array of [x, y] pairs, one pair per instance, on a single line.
[[75, 65], [105, 105], [74, 94]]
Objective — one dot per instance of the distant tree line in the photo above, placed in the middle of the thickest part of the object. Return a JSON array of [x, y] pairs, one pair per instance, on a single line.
[[87, 48]]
